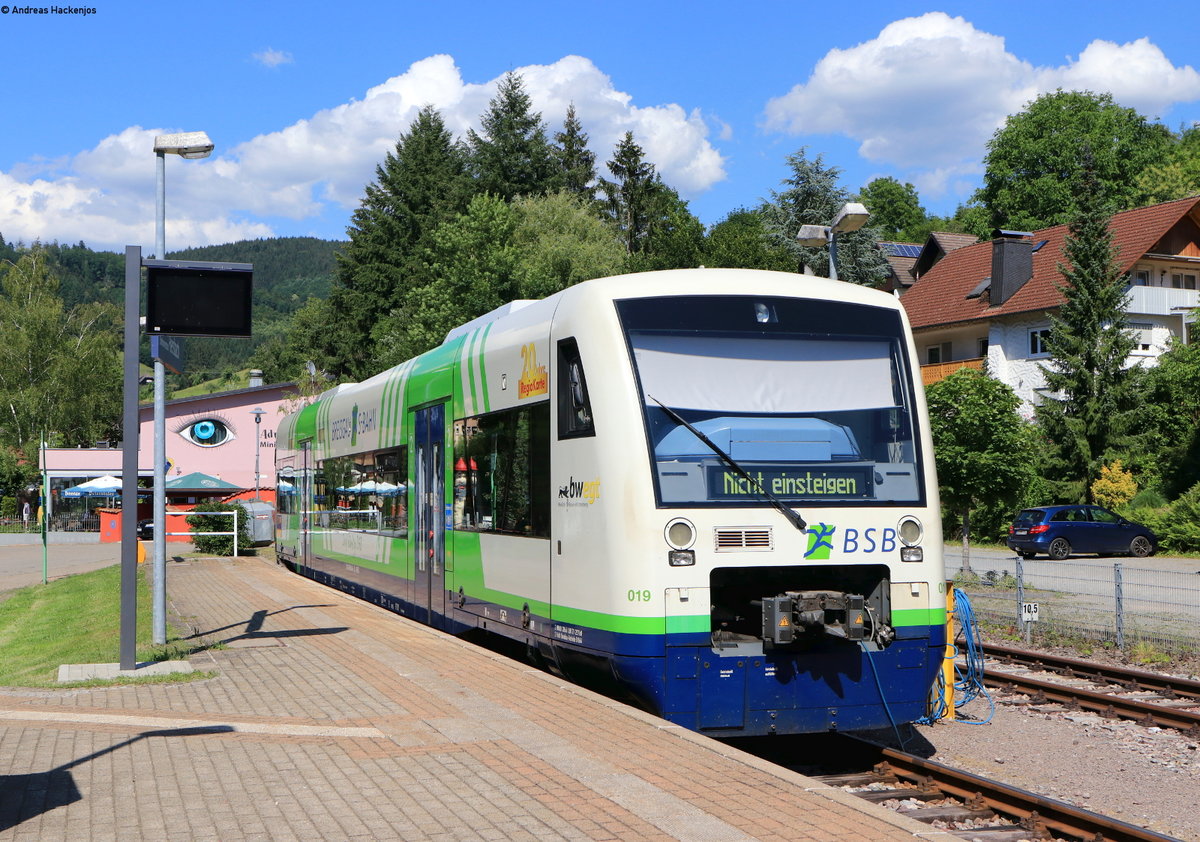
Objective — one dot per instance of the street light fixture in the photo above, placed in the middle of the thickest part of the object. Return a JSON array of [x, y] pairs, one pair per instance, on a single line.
[[186, 145], [258, 412], [850, 217]]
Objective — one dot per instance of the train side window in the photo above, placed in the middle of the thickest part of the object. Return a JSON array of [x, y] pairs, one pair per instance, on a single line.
[[574, 405], [502, 472]]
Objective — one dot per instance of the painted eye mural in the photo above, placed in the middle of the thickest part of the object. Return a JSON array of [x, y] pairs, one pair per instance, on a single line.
[[207, 432]]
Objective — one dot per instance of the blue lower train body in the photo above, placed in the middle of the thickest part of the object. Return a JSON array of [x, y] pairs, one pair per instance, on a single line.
[[836, 685]]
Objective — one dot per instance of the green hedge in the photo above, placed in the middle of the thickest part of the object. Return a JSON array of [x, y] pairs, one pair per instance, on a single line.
[[219, 544]]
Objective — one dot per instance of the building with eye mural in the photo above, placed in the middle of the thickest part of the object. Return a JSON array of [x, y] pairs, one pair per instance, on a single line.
[[211, 453]]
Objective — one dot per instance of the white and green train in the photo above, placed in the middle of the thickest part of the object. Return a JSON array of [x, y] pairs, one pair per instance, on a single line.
[[713, 487]]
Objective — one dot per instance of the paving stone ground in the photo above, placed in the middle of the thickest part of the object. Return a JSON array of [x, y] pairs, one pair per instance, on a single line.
[[331, 719]]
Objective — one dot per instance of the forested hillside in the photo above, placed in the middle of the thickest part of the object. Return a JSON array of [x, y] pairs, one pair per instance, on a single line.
[[288, 271]]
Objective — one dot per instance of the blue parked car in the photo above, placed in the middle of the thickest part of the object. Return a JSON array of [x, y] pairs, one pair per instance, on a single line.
[[1060, 531]]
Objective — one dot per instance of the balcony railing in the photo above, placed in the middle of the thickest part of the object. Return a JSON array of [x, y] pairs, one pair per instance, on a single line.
[[1161, 301], [931, 374]]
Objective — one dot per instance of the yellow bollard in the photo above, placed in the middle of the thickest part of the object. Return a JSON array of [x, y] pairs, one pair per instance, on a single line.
[[141, 552], [948, 661]]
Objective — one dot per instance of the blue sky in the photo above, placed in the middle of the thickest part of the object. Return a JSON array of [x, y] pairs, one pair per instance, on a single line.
[[303, 99]]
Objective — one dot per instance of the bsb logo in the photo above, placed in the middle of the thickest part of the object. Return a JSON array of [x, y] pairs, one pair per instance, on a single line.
[[821, 538]]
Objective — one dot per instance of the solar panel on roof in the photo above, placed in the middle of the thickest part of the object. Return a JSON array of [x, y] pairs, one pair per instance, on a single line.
[[903, 249]]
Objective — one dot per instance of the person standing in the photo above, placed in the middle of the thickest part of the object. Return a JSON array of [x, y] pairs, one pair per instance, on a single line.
[[25, 514]]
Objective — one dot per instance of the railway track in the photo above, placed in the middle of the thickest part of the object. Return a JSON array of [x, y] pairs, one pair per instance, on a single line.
[[1145, 697], [973, 807]]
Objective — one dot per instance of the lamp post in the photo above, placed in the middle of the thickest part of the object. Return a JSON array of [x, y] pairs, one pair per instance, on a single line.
[[185, 145], [850, 217], [258, 412]]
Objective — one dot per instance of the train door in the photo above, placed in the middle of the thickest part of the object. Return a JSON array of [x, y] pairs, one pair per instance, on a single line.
[[305, 497], [429, 596]]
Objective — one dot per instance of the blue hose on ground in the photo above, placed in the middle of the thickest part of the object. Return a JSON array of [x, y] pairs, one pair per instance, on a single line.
[[968, 685]]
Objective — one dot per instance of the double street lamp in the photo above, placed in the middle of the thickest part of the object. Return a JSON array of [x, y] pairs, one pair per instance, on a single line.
[[186, 145], [850, 217]]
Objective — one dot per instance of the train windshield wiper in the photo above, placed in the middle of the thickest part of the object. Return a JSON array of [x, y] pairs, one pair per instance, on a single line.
[[792, 516]]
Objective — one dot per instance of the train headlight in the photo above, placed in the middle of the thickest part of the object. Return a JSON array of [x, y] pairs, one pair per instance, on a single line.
[[681, 558], [680, 534], [912, 554], [910, 531]]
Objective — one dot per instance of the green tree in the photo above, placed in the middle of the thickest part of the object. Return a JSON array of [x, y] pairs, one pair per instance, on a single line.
[[560, 242], [1169, 417], [473, 263], [674, 236], [1033, 160], [981, 444], [896, 211], [1175, 177], [630, 196], [813, 196], [576, 163], [60, 369], [419, 185], [511, 156], [1090, 401], [741, 241]]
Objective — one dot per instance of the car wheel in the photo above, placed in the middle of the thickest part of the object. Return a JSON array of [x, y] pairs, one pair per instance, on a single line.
[[1059, 549], [1140, 546]]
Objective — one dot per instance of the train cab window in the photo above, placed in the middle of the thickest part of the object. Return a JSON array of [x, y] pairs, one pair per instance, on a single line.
[[574, 406]]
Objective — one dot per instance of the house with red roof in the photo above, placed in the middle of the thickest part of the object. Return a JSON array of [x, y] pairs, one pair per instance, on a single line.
[[992, 301]]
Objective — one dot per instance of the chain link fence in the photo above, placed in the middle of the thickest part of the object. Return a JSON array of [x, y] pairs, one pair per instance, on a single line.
[[1111, 602]]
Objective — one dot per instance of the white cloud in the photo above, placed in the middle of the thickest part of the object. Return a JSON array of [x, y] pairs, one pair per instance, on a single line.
[[270, 57], [929, 91], [104, 195]]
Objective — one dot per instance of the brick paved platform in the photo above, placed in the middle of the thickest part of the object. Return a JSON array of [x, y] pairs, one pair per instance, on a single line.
[[331, 719]]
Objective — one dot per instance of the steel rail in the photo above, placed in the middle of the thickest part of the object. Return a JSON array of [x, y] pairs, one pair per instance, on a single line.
[[1105, 704], [1134, 679], [1036, 813]]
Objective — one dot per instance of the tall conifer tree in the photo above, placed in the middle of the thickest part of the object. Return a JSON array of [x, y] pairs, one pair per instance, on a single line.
[[419, 186], [630, 196], [511, 156], [1090, 401], [576, 163]]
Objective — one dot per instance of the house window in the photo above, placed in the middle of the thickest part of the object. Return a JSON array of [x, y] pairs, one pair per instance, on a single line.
[[982, 347], [933, 355], [1141, 278], [1037, 342], [1180, 280], [1143, 335]]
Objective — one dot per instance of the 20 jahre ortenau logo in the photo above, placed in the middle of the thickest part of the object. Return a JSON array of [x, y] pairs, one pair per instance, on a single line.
[[76, 11]]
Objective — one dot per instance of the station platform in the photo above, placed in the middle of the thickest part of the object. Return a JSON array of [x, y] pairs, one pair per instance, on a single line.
[[328, 718]]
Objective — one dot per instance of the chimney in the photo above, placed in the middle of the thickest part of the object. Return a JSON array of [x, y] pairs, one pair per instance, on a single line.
[[1012, 263], [255, 378]]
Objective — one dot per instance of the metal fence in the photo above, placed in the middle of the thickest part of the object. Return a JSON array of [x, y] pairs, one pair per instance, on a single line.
[[68, 522], [1112, 602]]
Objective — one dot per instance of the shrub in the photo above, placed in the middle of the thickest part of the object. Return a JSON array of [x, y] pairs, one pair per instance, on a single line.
[[1114, 487], [1147, 499], [219, 544], [1179, 529], [8, 507]]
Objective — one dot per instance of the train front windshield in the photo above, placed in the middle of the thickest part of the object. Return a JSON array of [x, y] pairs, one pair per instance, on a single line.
[[812, 398]]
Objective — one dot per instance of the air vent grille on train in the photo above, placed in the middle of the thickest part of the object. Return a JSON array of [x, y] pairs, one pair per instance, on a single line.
[[728, 539]]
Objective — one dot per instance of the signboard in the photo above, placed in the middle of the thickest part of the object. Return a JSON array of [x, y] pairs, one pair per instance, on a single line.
[[792, 482], [1029, 612], [192, 298], [168, 350]]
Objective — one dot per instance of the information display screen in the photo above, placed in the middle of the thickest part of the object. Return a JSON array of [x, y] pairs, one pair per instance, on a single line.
[[198, 301]]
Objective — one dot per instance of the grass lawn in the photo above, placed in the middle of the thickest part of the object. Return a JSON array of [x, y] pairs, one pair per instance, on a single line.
[[76, 620]]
